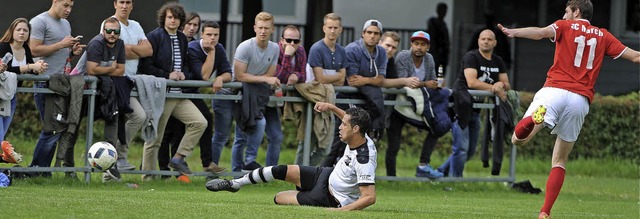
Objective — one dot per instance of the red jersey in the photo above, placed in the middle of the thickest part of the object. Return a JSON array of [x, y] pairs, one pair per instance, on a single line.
[[580, 49]]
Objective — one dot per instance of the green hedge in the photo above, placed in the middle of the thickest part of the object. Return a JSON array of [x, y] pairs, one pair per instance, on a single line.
[[610, 130]]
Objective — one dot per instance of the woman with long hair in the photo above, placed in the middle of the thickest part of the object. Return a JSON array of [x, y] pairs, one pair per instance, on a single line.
[[16, 42]]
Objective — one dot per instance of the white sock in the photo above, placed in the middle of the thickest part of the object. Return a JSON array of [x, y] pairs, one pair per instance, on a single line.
[[260, 175]]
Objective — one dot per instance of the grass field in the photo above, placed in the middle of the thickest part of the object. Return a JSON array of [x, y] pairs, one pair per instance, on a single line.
[[593, 189]]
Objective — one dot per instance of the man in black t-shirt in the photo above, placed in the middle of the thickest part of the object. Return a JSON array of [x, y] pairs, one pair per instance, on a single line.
[[105, 56], [482, 70]]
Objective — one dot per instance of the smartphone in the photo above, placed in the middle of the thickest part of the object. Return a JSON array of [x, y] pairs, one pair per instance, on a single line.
[[7, 57]]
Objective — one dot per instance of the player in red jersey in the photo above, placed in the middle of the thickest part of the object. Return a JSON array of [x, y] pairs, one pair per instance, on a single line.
[[564, 100]]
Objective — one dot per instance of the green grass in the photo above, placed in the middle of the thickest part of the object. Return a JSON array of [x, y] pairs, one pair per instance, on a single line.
[[592, 189]]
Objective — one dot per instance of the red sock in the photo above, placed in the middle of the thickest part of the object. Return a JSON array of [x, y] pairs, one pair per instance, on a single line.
[[524, 127], [554, 184]]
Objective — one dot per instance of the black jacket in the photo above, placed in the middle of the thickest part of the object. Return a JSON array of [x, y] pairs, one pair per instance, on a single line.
[[462, 105], [160, 64], [254, 100]]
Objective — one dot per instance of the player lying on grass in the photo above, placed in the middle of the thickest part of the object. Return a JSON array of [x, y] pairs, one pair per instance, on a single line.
[[348, 186]]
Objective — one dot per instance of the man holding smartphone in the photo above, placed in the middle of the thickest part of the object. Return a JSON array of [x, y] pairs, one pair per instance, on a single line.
[[52, 41]]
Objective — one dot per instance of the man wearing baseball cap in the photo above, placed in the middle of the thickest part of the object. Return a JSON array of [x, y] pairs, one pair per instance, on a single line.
[[412, 77], [366, 70]]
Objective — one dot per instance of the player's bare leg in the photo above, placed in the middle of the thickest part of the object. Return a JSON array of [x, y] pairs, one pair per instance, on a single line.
[[555, 181]]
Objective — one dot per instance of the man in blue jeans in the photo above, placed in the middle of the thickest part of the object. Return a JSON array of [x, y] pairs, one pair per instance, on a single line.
[[482, 70], [254, 64], [52, 41], [207, 56]]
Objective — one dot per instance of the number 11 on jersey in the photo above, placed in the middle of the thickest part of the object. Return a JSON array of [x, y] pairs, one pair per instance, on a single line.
[[580, 50]]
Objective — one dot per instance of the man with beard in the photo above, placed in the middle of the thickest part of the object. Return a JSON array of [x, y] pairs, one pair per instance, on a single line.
[[415, 68], [105, 57], [350, 185], [482, 70]]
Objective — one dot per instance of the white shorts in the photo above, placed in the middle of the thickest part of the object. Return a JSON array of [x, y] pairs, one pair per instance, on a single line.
[[565, 111]]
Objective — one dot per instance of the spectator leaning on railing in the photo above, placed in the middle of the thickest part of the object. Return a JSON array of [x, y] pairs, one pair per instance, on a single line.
[[326, 67], [52, 41], [170, 44], [16, 42], [207, 56], [366, 70], [254, 65], [482, 70]]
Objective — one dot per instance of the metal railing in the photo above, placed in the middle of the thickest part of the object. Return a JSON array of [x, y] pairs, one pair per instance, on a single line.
[[91, 92]]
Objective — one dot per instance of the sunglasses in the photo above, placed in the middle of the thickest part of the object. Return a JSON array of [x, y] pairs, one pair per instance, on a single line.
[[110, 31], [296, 41]]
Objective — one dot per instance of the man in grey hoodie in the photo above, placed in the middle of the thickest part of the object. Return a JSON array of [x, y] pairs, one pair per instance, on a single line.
[[366, 70]]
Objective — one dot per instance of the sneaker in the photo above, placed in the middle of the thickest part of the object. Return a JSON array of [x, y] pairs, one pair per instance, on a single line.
[[543, 215], [123, 164], [9, 155], [247, 168], [221, 184], [110, 175], [428, 172], [538, 115], [180, 165], [214, 168]]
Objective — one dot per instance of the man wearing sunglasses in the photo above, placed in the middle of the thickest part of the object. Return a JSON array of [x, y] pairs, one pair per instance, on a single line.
[[105, 56], [293, 57], [105, 52]]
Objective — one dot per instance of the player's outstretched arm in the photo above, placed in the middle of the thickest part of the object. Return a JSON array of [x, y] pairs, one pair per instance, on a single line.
[[534, 33], [631, 55]]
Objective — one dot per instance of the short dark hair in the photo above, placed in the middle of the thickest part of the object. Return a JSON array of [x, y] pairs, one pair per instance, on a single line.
[[585, 6], [211, 24], [361, 118], [176, 9], [290, 27]]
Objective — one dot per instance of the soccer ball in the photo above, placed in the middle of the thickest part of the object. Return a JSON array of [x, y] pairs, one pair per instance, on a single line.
[[102, 155]]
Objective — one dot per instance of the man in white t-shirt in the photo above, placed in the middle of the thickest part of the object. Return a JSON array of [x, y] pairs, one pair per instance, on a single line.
[[350, 185], [136, 46]]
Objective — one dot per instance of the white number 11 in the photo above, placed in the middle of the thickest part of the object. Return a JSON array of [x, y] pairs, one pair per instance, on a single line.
[[580, 50]]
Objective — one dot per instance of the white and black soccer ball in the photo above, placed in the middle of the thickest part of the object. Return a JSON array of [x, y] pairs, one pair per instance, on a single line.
[[102, 156]]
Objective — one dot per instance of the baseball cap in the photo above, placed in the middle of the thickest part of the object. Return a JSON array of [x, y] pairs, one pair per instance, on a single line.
[[421, 35], [372, 22]]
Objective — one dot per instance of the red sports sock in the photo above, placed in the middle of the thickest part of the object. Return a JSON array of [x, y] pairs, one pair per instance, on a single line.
[[554, 184], [524, 127]]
